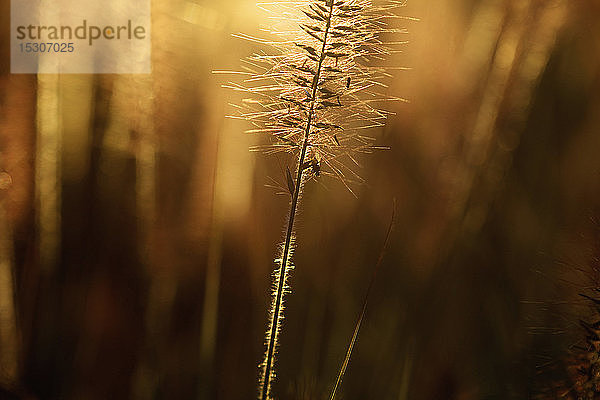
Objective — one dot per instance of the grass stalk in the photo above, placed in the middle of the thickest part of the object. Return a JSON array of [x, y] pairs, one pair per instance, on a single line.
[[275, 322], [314, 93], [363, 311]]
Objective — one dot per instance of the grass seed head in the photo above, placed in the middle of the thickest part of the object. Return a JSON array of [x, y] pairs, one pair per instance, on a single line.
[[314, 91], [321, 79]]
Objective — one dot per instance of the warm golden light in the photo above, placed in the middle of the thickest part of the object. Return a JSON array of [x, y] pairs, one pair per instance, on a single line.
[[142, 216]]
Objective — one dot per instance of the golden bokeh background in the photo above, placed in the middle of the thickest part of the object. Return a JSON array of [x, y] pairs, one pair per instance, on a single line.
[[137, 231]]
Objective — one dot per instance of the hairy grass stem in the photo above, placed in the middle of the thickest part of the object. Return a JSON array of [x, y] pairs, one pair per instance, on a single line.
[[267, 374], [314, 93]]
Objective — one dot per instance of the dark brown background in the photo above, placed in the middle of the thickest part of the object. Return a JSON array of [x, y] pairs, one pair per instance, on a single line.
[[140, 233]]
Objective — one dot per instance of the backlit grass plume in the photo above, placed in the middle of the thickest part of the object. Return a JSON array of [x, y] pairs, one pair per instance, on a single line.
[[583, 365], [581, 380], [315, 90]]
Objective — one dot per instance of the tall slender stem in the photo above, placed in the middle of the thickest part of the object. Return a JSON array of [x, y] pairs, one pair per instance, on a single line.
[[266, 384]]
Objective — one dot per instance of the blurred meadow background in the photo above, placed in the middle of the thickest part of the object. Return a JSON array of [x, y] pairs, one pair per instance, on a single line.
[[137, 230]]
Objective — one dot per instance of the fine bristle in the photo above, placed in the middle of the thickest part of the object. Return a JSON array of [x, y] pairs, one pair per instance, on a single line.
[[328, 69]]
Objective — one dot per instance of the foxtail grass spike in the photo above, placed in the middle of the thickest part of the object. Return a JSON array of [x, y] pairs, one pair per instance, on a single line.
[[316, 90]]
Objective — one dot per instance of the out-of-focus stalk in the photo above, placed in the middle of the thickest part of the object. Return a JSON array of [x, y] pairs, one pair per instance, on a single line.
[[9, 342], [48, 170]]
